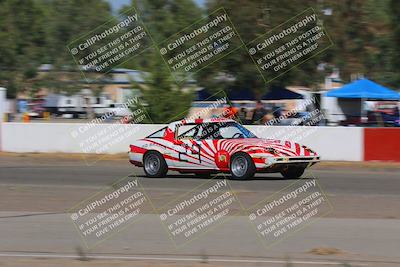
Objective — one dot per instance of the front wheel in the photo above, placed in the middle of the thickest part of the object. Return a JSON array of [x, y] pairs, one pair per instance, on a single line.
[[292, 172], [154, 165], [242, 166]]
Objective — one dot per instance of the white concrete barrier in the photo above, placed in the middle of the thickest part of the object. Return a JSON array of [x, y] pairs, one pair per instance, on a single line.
[[331, 143], [71, 137]]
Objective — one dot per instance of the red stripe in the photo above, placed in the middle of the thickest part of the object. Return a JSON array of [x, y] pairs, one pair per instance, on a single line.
[[258, 160], [297, 149], [189, 156], [208, 146], [136, 149]]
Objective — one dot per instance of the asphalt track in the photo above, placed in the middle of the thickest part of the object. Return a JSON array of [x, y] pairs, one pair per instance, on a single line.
[[362, 229]]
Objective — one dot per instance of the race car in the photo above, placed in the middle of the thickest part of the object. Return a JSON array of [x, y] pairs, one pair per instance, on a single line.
[[209, 146]]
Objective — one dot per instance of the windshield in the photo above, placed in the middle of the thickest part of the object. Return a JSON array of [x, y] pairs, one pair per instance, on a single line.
[[218, 130]]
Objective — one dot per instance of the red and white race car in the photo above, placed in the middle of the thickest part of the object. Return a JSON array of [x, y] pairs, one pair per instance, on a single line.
[[210, 146]]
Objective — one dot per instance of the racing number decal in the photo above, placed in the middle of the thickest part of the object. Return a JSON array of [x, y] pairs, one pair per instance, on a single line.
[[196, 149], [180, 154], [190, 150]]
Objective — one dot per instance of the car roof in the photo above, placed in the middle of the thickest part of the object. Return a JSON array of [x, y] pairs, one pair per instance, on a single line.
[[174, 124], [201, 121]]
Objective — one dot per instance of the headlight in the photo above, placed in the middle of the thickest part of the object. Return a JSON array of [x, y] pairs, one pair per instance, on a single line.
[[269, 161]]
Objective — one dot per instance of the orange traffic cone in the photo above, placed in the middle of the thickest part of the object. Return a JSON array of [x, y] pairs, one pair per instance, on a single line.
[[25, 117]]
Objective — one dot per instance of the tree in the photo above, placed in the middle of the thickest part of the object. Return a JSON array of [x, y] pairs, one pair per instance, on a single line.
[[362, 33], [165, 100], [253, 19], [35, 32], [68, 21], [22, 42], [395, 24]]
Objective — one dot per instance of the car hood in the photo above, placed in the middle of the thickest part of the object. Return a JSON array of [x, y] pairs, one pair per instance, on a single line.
[[277, 148]]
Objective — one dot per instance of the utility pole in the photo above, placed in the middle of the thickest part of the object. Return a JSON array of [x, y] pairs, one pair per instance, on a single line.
[[265, 20], [3, 92], [2, 102]]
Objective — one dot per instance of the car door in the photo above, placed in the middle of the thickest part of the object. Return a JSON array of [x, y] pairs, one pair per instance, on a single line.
[[190, 153]]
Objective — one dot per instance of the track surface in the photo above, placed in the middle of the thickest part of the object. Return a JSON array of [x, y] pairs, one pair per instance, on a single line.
[[364, 225]]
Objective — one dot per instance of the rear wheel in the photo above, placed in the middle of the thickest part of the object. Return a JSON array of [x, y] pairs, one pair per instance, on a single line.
[[242, 166], [292, 172], [154, 165]]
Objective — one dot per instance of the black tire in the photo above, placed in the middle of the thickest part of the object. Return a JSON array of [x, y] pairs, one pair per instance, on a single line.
[[154, 165], [203, 175], [292, 172], [242, 166]]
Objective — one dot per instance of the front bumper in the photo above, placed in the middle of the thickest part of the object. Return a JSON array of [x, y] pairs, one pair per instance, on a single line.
[[297, 159], [310, 160]]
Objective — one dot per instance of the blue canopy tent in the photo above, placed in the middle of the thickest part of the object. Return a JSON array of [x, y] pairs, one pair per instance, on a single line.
[[364, 89], [236, 94], [241, 94], [202, 95], [278, 93]]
